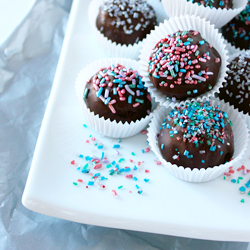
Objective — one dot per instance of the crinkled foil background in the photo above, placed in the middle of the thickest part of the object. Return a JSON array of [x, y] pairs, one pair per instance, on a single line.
[[28, 62]]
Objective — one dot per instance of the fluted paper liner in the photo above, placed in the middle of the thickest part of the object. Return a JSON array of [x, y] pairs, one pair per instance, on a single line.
[[106, 127], [218, 17], [112, 48], [171, 26], [200, 175]]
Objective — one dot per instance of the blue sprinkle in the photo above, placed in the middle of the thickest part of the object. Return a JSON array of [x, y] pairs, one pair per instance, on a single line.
[[135, 168], [137, 186], [85, 126], [102, 178], [242, 189], [99, 92], [88, 158], [130, 99], [116, 146], [143, 151], [78, 168], [201, 42], [107, 100], [90, 183], [102, 155], [135, 178], [100, 147], [146, 180], [202, 161], [233, 181], [162, 146], [97, 175], [114, 91], [113, 162], [85, 171], [139, 192], [80, 156]]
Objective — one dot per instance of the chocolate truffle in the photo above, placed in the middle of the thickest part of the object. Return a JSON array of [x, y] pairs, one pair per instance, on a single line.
[[236, 89], [237, 31], [125, 21], [223, 4], [184, 65], [117, 93], [197, 135]]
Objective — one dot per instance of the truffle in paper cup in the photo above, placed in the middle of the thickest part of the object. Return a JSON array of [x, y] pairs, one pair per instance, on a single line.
[[183, 23], [107, 127], [235, 90], [218, 17], [240, 132], [112, 48]]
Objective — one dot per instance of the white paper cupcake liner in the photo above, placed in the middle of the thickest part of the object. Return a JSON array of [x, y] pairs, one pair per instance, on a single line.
[[117, 50], [106, 127], [218, 17], [171, 26], [200, 175]]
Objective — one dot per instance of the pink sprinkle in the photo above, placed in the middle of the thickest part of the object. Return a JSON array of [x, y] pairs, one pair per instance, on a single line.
[[146, 171], [97, 166], [158, 162], [149, 97], [144, 131], [130, 192], [114, 192], [112, 109], [147, 150], [87, 141], [112, 102], [129, 176], [136, 104], [93, 138]]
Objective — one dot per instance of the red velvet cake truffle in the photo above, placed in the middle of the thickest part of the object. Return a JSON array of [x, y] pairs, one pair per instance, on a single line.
[[236, 89], [196, 135], [117, 93], [125, 21], [184, 65]]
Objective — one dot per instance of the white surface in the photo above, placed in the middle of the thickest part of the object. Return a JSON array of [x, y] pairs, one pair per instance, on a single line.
[[12, 12], [168, 206]]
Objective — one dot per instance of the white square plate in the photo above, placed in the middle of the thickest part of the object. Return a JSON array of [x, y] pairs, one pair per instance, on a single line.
[[167, 205]]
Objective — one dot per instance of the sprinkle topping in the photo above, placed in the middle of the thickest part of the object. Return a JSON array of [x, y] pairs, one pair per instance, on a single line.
[[227, 4], [196, 120]]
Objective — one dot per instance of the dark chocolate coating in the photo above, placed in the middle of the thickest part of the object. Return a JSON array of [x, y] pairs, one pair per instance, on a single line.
[[125, 112], [223, 4], [180, 91], [236, 89], [125, 21], [237, 31], [211, 158]]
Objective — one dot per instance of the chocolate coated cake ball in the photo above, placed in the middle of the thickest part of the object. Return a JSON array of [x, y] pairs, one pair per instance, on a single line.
[[197, 135], [236, 89], [237, 31], [125, 21], [117, 93], [223, 4], [184, 65]]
